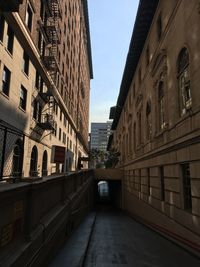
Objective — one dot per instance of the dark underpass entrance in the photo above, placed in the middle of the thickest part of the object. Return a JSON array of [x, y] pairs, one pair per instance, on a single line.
[[107, 193]]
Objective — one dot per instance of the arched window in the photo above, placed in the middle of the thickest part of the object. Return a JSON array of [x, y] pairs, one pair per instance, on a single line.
[[34, 161], [148, 121], [161, 114], [184, 81], [44, 164], [17, 159]]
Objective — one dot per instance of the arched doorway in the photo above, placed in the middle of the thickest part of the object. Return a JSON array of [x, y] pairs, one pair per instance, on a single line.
[[44, 164], [17, 159], [34, 162]]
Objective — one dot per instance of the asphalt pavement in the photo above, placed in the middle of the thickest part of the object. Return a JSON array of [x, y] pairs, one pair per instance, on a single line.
[[112, 239]]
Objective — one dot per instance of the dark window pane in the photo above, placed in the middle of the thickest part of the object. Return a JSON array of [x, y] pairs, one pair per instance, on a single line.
[[29, 18], [6, 81], [26, 63], [2, 21], [23, 97], [10, 39], [162, 183], [187, 186]]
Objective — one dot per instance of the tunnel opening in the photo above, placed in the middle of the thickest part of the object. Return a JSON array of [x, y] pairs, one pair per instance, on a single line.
[[108, 194]]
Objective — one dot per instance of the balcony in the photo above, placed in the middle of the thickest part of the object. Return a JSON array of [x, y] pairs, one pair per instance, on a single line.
[[10, 6], [47, 122]]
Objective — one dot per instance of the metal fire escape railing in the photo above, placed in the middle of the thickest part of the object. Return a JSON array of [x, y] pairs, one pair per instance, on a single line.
[[50, 60], [52, 30], [47, 121]]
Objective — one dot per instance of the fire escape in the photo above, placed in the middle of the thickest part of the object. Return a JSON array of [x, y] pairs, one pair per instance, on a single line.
[[53, 34], [51, 29], [47, 121]]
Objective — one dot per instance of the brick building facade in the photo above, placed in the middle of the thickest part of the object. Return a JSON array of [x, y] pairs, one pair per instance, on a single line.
[[157, 119], [45, 69]]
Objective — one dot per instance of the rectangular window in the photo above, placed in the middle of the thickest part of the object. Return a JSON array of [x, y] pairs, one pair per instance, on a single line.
[[139, 181], [6, 81], [9, 40], [25, 66], [134, 136], [60, 134], [37, 111], [139, 76], [148, 182], [64, 138], [147, 55], [23, 98], [55, 132], [40, 41], [65, 121], [162, 183], [187, 186], [2, 23], [139, 128], [37, 80], [70, 144], [161, 110], [60, 115], [29, 18], [159, 26]]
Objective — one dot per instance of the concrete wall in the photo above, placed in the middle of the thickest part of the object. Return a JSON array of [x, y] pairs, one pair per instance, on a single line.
[[36, 218], [108, 174]]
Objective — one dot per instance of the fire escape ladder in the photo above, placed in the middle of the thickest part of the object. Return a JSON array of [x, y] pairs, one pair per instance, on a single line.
[[53, 34]]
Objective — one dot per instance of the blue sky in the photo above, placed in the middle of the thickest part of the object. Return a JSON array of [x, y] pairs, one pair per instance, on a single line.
[[111, 25]]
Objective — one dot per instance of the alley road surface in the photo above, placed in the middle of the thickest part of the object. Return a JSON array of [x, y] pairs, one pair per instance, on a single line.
[[118, 240]]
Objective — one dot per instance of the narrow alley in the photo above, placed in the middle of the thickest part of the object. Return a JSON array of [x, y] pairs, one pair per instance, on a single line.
[[117, 239]]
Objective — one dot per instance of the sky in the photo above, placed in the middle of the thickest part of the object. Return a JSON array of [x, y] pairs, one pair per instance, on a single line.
[[111, 26]]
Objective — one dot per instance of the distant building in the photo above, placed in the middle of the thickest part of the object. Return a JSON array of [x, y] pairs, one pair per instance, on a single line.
[[99, 135]]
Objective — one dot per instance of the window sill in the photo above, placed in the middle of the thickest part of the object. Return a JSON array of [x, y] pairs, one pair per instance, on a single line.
[[9, 53], [26, 75], [22, 109], [1, 42], [6, 96]]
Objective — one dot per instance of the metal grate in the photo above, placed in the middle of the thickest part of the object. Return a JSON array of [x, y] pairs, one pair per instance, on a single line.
[[11, 152]]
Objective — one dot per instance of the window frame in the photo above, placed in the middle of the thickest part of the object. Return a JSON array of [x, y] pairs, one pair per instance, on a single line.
[[186, 185], [161, 106], [23, 101], [29, 17], [26, 63], [2, 27], [6, 71], [9, 40], [184, 85]]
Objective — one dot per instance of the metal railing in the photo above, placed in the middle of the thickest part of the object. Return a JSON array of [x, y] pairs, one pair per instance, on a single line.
[[11, 152]]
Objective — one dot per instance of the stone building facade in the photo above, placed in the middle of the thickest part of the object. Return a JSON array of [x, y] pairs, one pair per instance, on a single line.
[[45, 70], [157, 119]]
